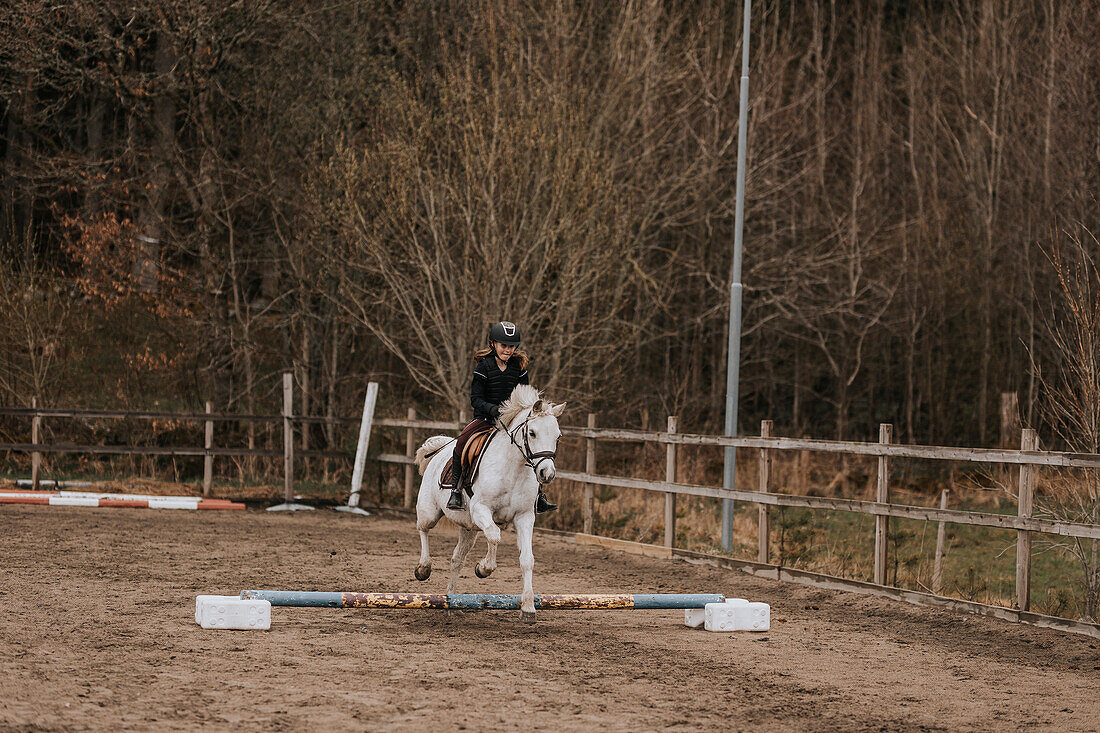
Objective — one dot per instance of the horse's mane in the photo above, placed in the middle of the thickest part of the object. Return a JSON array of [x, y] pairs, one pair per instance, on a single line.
[[523, 397]]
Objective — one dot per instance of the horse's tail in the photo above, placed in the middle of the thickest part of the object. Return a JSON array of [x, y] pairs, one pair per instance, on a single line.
[[431, 446]]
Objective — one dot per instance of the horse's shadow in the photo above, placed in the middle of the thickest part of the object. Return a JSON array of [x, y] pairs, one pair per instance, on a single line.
[[472, 625]]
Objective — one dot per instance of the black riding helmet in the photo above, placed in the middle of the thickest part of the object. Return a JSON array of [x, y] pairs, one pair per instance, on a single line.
[[505, 332]]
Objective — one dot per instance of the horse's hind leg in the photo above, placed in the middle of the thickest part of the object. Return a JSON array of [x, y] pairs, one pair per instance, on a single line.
[[466, 539]]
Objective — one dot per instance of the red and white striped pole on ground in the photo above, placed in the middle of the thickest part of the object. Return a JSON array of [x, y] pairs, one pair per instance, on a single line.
[[89, 498]]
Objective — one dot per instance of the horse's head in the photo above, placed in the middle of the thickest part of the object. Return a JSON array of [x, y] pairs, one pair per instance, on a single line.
[[532, 424], [542, 439]]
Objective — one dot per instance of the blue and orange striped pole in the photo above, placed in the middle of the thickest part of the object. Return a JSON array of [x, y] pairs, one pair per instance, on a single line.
[[485, 601]]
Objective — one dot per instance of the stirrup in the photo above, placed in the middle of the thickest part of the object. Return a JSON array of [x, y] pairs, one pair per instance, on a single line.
[[455, 501], [543, 505]]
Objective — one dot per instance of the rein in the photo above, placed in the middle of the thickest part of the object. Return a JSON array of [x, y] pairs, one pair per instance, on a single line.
[[533, 460]]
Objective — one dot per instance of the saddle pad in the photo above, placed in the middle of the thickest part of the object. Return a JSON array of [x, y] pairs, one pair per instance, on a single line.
[[471, 459], [447, 480], [474, 446]]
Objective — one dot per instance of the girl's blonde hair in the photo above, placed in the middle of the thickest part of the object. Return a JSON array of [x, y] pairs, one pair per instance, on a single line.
[[520, 354]]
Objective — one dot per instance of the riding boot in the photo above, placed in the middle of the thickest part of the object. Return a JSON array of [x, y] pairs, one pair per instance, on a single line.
[[457, 500], [542, 504]]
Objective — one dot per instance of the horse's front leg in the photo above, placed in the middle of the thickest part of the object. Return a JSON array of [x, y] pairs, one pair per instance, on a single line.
[[483, 518], [488, 563], [427, 516], [466, 539], [525, 529]]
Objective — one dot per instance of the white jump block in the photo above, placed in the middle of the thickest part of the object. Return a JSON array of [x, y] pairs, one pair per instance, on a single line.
[[694, 617], [231, 612], [737, 614], [755, 617]]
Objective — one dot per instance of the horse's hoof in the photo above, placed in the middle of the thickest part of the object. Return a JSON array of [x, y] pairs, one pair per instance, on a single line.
[[481, 573], [528, 617], [422, 572]]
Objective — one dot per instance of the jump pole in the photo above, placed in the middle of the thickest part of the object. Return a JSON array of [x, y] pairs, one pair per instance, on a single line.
[[483, 602]]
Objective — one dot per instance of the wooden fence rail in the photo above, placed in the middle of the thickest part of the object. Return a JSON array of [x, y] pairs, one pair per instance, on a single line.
[[137, 415], [150, 450], [927, 514], [1058, 459]]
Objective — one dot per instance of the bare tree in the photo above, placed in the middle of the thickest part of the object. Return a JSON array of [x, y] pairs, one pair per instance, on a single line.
[[1073, 391], [35, 330]]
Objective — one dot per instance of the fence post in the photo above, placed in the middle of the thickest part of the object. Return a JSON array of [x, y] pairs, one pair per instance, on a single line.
[[590, 468], [304, 428], [288, 504], [410, 453], [36, 457], [803, 471], [1010, 419], [670, 478], [882, 496], [763, 517], [369, 402], [1029, 441], [937, 568], [288, 437], [208, 460]]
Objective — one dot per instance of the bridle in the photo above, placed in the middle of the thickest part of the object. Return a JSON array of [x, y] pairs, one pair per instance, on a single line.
[[533, 460]]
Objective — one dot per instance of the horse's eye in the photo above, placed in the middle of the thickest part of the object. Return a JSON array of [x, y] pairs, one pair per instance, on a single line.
[[533, 433]]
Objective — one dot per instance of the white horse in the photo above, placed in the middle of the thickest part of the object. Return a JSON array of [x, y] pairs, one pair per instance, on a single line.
[[516, 461]]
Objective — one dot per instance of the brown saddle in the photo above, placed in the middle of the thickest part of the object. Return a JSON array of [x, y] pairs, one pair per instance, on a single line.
[[471, 456]]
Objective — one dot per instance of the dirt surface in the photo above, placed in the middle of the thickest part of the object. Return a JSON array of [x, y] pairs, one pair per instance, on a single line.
[[97, 631]]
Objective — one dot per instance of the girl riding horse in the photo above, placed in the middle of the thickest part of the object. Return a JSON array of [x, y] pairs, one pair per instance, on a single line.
[[500, 367]]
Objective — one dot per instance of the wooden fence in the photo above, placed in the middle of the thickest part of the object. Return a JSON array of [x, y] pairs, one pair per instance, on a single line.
[[1029, 458], [208, 450]]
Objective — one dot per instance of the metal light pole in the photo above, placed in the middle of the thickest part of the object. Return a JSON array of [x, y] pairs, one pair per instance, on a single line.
[[733, 363]]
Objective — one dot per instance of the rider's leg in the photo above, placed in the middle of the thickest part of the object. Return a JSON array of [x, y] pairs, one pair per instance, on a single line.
[[456, 501], [447, 480]]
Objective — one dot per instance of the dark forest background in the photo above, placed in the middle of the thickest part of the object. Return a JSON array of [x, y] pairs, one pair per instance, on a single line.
[[198, 195]]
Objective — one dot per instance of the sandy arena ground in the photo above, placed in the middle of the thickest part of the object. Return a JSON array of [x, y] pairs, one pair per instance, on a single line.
[[97, 631]]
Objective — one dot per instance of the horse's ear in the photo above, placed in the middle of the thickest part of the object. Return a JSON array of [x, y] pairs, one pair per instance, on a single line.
[[536, 409], [557, 410]]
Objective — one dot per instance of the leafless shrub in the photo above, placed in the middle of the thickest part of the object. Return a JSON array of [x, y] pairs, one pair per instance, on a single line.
[[36, 319], [1072, 390]]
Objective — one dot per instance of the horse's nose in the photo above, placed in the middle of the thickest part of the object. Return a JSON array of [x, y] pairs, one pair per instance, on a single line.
[[547, 472]]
